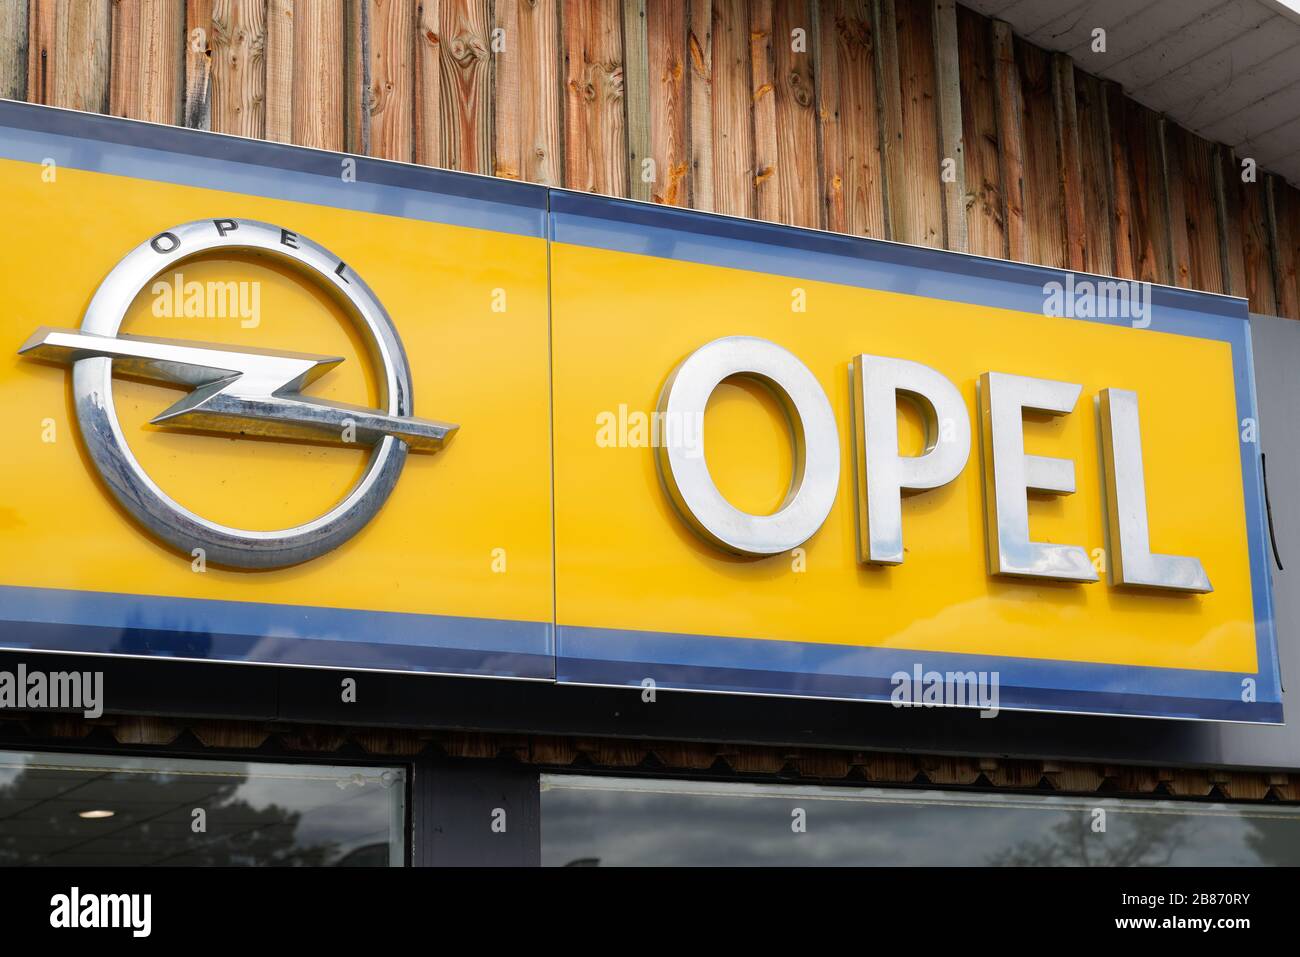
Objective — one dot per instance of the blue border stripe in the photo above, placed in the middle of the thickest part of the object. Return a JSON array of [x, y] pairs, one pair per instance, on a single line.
[[373, 655], [765, 666], [112, 623], [683, 677], [102, 144], [709, 239], [855, 661], [247, 649]]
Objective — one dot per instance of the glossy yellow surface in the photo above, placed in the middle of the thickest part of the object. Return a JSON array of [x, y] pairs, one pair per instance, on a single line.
[[433, 547], [625, 559]]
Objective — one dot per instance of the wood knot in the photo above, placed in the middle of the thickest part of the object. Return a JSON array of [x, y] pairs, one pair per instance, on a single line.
[[697, 56], [802, 94], [466, 48]]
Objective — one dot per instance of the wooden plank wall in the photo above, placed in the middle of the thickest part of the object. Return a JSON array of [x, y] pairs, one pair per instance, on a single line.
[[914, 120]]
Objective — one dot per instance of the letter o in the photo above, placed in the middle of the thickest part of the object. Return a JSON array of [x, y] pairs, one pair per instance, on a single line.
[[173, 241], [685, 472]]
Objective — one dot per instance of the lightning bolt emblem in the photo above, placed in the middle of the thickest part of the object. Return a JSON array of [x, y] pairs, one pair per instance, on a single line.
[[249, 392]]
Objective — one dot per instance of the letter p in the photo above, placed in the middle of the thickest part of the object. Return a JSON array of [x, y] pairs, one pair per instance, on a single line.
[[882, 473]]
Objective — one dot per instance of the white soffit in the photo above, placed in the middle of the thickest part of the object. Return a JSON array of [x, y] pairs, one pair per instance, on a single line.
[[1229, 70]]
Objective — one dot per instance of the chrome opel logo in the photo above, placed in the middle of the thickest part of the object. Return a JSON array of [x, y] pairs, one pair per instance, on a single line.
[[251, 392]]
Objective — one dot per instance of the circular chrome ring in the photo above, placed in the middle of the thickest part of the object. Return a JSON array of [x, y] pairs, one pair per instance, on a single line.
[[685, 472], [93, 396]]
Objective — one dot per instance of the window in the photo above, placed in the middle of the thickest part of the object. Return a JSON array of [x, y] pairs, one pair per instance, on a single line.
[[80, 809], [590, 821]]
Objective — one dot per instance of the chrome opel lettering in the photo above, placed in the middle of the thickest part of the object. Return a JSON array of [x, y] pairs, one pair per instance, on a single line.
[[883, 475], [1009, 474], [247, 392], [1132, 561], [817, 453]]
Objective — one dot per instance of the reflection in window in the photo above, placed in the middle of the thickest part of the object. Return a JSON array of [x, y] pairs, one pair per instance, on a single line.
[[606, 821], [75, 809]]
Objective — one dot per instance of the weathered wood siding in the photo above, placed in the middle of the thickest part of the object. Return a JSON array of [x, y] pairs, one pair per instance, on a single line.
[[914, 120]]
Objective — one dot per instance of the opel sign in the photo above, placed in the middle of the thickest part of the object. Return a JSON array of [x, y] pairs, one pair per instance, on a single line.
[[690, 451]]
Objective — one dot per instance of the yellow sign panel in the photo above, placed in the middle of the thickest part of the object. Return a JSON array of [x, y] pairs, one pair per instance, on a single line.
[[464, 534], [642, 568]]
